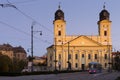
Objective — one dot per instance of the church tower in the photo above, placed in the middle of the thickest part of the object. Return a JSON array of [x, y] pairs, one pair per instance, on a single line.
[[104, 27], [59, 26]]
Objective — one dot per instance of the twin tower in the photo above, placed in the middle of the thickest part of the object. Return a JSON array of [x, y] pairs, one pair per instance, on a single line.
[[104, 27], [77, 51]]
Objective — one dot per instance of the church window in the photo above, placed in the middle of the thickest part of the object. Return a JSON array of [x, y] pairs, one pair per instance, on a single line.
[[82, 55], [89, 56], [59, 33], [95, 56], [76, 56], [105, 33]]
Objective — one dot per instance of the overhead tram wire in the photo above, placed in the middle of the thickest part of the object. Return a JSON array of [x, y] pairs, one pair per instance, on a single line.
[[14, 28], [19, 2], [34, 20], [45, 41], [10, 5], [29, 17]]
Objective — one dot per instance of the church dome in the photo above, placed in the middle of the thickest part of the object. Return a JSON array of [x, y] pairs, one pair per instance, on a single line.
[[104, 15], [59, 14]]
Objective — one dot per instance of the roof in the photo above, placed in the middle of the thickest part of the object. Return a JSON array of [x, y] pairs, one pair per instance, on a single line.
[[8, 47]]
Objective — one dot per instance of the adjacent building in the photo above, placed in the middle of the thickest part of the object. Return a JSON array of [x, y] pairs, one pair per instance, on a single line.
[[13, 52], [76, 51], [39, 60]]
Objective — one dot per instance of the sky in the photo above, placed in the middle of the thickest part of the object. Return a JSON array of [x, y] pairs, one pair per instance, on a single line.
[[81, 19]]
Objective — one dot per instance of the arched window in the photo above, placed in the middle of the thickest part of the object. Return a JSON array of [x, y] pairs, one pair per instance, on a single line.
[[105, 33], [59, 33]]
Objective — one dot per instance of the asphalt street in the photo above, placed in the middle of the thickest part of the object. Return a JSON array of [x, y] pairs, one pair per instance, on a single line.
[[68, 76]]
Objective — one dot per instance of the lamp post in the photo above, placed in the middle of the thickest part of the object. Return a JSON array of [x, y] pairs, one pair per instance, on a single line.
[[32, 44]]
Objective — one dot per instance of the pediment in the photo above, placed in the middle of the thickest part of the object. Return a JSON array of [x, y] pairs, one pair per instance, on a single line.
[[83, 41]]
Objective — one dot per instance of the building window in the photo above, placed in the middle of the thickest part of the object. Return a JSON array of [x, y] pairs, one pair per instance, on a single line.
[[89, 56], [69, 56], [59, 33], [105, 56], [82, 55], [59, 56], [95, 56], [105, 33], [76, 56], [76, 65]]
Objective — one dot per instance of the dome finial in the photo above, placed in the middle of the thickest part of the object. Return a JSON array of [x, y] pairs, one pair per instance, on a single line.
[[104, 5], [59, 5]]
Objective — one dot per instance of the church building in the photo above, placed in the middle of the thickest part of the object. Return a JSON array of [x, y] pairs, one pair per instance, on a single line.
[[77, 51]]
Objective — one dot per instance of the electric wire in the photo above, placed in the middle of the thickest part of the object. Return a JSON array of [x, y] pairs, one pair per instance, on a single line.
[[45, 41], [29, 17], [19, 2], [11, 5], [34, 20]]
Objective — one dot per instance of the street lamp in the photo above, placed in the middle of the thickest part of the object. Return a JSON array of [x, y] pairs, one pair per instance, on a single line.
[[32, 43]]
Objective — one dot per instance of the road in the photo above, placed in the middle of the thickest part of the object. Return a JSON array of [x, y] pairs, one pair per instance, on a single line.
[[68, 76]]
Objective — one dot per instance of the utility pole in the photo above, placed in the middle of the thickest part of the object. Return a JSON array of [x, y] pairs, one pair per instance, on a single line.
[[32, 44], [68, 56], [32, 48], [55, 56]]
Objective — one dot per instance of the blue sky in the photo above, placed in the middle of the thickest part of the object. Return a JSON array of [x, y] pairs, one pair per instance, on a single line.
[[81, 17]]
